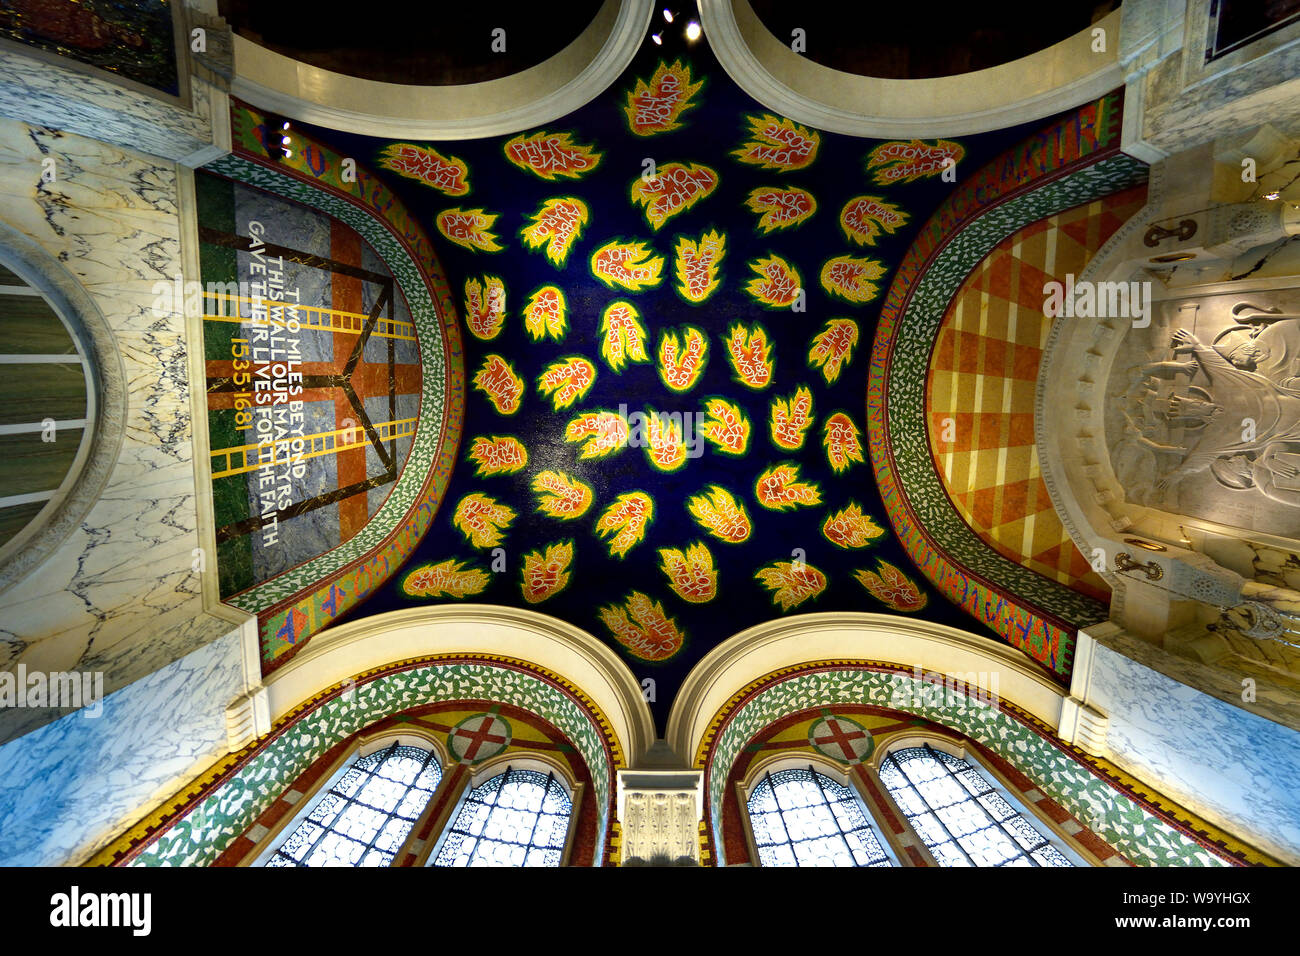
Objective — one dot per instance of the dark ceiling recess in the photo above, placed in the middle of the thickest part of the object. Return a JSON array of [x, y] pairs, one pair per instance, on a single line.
[[912, 41], [423, 43]]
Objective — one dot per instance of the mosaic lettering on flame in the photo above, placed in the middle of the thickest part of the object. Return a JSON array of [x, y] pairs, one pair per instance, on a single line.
[[623, 336], [850, 527], [791, 582], [832, 348], [852, 279], [726, 428], [657, 106], [841, 439], [674, 188], [664, 445], [625, 522], [791, 418], [552, 155], [778, 283], [892, 587], [641, 625], [602, 432], [498, 455], [864, 217], [557, 225], [497, 379], [631, 265], [545, 575], [698, 265], [747, 349], [682, 360], [780, 208], [546, 314], [719, 513], [482, 519], [449, 176], [904, 161], [779, 488], [485, 307], [469, 228], [777, 143], [566, 381], [690, 573], [561, 496], [446, 579]]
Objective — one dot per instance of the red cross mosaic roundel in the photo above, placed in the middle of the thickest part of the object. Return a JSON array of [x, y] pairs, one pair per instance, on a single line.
[[842, 739], [477, 738]]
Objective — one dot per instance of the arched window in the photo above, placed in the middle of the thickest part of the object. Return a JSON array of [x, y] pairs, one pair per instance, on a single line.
[[518, 818], [365, 816], [47, 410], [963, 818], [804, 818]]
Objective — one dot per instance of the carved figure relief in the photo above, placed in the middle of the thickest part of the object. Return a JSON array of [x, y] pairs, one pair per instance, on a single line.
[[1204, 411]]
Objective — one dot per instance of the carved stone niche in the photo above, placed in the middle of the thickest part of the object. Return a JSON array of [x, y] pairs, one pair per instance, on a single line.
[[1170, 442], [659, 813]]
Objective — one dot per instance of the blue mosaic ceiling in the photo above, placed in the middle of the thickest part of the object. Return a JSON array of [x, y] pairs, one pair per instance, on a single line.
[[692, 576]]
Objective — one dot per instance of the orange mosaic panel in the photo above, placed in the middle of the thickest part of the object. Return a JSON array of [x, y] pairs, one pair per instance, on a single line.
[[981, 381]]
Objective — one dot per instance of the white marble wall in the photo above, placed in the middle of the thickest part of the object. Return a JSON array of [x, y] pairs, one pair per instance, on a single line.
[[1173, 99], [119, 595], [64, 97], [73, 786], [1236, 769]]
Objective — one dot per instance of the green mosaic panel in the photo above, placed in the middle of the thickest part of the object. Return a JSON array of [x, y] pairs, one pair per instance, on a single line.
[[433, 348], [1119, 820], [198, 838]]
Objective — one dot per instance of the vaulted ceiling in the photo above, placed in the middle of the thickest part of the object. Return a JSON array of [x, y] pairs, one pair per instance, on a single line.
[[674, 249]]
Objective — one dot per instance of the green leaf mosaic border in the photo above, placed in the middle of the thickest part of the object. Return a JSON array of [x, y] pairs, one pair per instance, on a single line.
[[1126, 825], [200, 836], [909, 364]]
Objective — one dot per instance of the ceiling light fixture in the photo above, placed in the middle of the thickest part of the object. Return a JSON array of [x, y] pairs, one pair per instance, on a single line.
[[668, 15], [692, 31], [658, 38]]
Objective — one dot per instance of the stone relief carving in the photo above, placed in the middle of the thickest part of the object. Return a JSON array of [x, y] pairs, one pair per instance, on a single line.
[[1203, 414]]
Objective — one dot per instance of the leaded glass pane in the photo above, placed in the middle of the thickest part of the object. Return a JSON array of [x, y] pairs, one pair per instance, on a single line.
[[804, 818], [961, 817], [366, 815], [518, 818]]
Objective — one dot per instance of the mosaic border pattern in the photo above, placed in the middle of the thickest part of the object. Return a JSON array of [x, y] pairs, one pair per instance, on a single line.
[[994, 203], [312, 176], [1051, 551], [195, 827], [1134, 825]]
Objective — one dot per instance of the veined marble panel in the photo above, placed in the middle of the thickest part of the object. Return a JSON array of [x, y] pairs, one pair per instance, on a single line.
[[120, 594], [1233, 767], [71, 786], [62, 98]]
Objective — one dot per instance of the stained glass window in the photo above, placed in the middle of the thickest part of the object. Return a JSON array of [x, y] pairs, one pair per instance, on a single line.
[[518, 818], [962, 818], [366, 815], [804, 818]]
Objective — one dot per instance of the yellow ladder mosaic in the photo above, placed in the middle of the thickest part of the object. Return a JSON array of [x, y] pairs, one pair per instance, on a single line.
[[244, 458], [316, 318]]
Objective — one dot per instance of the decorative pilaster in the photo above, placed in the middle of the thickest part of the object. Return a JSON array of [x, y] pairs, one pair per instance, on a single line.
[[660, 813]]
